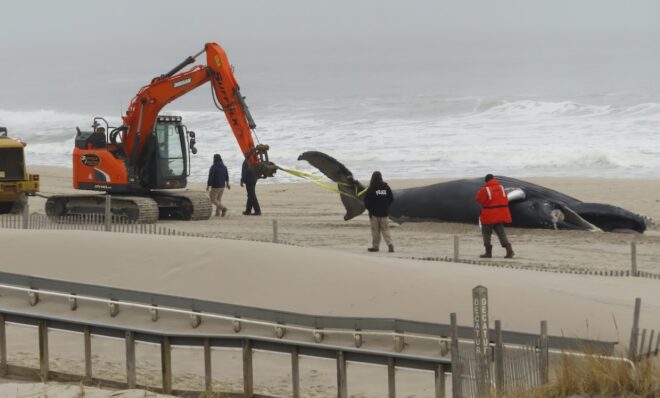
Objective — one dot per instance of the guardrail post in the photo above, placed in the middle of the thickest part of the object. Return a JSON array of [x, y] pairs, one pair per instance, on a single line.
[[391, 378], [43, 351], [456, 374], [456, 248], [544, 374], [275, 237], [634, 332], [26, 215], [440, 381], [87, 337], [499, 359], [130, 359], [3, 346], [108, 213], [295, 372], [633, 258], [342, 388], [248, 383], [208, 375], [166, 364]]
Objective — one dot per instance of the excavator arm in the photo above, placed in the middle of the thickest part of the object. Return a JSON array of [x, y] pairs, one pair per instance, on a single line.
[[150, 100]]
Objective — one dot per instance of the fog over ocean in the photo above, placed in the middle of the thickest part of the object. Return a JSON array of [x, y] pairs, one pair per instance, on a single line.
[[416, 90]]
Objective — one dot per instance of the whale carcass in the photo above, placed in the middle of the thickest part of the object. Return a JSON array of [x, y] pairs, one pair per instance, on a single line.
[[531, 205]]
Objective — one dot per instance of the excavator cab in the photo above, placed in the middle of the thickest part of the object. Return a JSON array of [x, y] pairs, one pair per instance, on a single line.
[[167, 157]]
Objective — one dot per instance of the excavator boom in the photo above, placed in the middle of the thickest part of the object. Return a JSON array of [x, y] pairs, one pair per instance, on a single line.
[[147, 104]]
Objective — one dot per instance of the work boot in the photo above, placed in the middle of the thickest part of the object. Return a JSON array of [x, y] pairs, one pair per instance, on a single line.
[[217, 213], [509, 251], [372, 249], [224, 212], [390, 248], [489, 252]]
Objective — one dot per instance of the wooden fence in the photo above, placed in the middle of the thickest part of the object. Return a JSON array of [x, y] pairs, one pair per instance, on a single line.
[[641, 347], [89, 222]]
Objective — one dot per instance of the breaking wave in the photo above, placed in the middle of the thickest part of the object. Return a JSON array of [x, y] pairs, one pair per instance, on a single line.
[[420, 136]]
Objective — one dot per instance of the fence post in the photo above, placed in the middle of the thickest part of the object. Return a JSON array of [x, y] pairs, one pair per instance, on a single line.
[[456, 248], [633, 258], [295, 372], [544, 354], [3, 346], [634, 333], [499, 359], [440, 381], [208, 375], [108, 213], [642, 341], [648, 351], [130, 359], [342, 388], [275, 237], [391, 378], [87, 337], [248, 387], [43, 351], [166, 364], [26, 215], [456, 376]]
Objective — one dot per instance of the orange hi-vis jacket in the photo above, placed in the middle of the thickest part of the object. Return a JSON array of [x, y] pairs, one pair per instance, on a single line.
[[494, 203]]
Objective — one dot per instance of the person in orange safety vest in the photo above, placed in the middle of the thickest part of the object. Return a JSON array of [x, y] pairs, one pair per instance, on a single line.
[[494, 214]]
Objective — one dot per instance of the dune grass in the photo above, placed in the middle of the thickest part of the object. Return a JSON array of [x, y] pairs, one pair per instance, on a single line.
[[593, 376]]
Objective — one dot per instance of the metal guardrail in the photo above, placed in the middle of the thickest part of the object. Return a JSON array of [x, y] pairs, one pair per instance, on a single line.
[[275, 318]]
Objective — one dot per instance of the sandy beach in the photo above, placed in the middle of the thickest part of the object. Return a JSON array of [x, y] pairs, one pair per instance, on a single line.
[[310, 216], [331, 256]]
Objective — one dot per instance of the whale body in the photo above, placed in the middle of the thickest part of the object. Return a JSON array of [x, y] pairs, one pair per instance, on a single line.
[[531, 205]]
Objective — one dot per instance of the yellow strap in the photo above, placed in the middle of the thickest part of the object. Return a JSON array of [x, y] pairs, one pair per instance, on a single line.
[[320, 181]]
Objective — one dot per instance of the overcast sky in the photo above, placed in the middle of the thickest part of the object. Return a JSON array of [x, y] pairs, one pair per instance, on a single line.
[[84, 56]]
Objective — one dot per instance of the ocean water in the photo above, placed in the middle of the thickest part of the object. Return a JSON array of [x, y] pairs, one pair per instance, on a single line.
[[606, 135]]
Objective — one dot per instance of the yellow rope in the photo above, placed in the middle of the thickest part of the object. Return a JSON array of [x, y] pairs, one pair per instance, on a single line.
[[320, 181]]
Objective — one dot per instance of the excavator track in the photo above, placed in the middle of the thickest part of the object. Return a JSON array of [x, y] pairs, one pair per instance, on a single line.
[[184, 205], [191, 205], [137, 209]]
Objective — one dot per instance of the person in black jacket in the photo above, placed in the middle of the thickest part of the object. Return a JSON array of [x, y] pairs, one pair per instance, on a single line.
[[217, 181], [377, 200], [249, 180]]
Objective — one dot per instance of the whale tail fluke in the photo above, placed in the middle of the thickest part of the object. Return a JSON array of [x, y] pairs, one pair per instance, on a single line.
[[349, 188]]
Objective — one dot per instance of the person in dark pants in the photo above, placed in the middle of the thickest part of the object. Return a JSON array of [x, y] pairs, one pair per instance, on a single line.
[[377, 200], [494, 214], [217, 181], [249, 180]]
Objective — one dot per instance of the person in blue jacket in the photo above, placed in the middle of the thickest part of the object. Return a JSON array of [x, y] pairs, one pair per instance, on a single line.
[[218, 180]]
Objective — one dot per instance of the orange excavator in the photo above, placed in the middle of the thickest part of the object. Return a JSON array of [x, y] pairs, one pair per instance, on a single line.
[[142, 162]]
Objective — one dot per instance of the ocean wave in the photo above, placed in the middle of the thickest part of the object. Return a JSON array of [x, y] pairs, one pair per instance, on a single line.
[[420, 136]]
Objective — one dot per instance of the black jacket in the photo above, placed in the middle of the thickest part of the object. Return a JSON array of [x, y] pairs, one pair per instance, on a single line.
[[218, 175], [247, 175], [378, 200]]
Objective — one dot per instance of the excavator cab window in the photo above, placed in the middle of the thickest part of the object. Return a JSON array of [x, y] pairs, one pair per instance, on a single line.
[[171, 145]]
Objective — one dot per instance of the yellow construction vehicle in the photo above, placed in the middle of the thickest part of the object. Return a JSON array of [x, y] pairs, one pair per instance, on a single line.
[[15, 182]]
